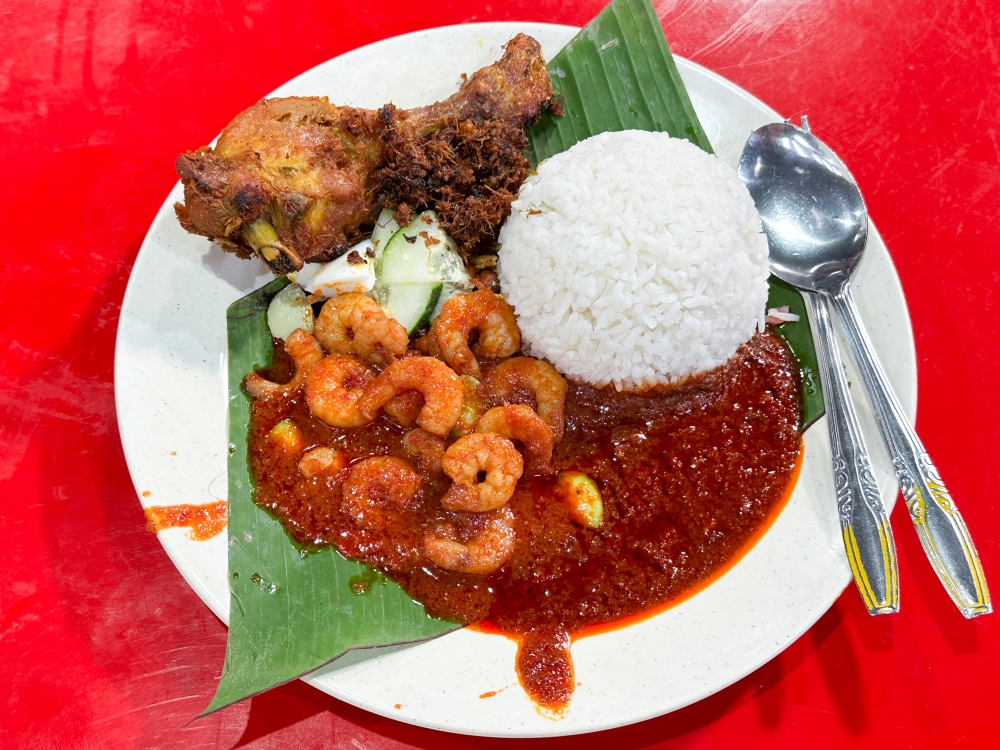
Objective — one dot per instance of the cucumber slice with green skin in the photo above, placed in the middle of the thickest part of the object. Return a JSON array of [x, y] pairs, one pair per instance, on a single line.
[[422, 251], [417, 263], [449, 291], [385, 228], [409, 303], [290, 310]]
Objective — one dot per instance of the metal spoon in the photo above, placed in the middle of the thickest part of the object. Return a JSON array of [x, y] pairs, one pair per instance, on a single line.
[[791, 190], [817, 227]]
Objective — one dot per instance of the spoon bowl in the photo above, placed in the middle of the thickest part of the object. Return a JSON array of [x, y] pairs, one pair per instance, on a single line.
[[809, 204]]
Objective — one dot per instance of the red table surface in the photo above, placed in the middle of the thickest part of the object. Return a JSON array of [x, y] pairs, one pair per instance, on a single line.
[[102, 644]]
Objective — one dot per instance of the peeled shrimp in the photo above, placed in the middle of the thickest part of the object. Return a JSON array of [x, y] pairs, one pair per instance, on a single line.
[[354, 324], [509, 380], [440, 386], [334, 387], [472, 454], [482, 311], [305, 352], [322, 461], [428, 344], [376, 482], [405, 408], [484, 553], [519, 422], [427, 448]]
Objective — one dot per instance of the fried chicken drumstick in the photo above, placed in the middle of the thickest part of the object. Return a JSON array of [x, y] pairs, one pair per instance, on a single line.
[[299, 179]]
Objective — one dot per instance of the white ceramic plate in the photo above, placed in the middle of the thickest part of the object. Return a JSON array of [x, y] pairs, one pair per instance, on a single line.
[[170, 388]]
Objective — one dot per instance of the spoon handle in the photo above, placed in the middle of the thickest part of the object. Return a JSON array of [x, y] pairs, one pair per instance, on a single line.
[[871, 550], [939, 525]]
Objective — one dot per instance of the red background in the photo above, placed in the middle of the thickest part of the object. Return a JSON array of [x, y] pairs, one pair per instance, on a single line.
[[101, 642]]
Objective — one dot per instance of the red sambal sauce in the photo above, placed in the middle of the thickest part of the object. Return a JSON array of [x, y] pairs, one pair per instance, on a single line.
[[688, 475], [202, 521]]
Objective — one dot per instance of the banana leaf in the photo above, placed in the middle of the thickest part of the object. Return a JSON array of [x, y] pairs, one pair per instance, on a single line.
[[291, 610], [798, 336], [618, 74]]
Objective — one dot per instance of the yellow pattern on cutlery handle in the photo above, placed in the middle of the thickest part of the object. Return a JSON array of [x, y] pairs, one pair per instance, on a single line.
[[857, 564], [958, 534], [871, 551], [940, 527]]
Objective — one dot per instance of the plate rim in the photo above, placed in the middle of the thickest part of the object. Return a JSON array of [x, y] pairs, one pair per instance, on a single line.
[[201, 588]]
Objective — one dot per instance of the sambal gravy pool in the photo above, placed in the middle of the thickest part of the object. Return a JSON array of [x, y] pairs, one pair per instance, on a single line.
[[687, 475]]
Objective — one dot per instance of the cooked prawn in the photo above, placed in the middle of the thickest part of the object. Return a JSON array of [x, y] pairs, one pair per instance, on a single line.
[[426, 447], [440, 386], [481, 311], [375, 483], [520, 422], [354, 324], [334, 387], [484, 553], [305, 352], [405, 407], [428, 344], [475, 453], [322, 461], [512, 380]]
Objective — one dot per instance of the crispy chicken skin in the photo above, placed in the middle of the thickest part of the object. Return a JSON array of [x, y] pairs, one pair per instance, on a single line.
[[299, 179], [292, 179]]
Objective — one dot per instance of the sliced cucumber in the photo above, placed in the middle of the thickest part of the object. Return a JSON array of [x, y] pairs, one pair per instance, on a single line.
[[449, 291], [418, 265], [385, 228], [290, 310], [411, 304], [422, 251]]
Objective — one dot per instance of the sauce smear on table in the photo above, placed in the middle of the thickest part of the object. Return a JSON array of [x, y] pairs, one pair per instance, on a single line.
[[689, 476], [202, 521]]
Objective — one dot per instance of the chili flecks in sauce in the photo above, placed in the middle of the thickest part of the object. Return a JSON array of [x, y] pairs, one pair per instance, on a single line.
[[687, 476]]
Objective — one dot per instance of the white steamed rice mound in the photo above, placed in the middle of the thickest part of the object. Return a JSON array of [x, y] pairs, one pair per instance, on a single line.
[[635, 259]]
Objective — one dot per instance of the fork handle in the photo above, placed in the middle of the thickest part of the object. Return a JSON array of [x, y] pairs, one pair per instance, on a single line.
[[864, 524], [940, 527]]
